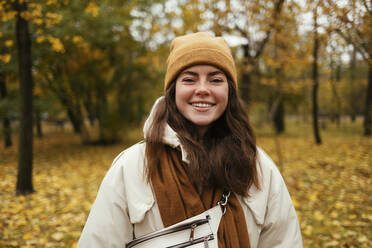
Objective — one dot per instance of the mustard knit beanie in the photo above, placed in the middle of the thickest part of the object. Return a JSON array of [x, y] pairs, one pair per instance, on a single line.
[[196, 49]]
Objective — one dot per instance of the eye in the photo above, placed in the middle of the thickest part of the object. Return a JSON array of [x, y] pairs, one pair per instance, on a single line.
[[217, 80], [188, 80]]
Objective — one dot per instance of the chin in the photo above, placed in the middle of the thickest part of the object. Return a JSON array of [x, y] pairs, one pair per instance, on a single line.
[[202, 123]]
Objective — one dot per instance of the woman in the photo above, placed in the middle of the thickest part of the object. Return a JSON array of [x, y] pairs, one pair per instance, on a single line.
[[198, 143]]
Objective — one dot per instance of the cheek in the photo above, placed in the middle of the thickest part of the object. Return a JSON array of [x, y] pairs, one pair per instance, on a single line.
[[177, 96], [181, 97], [178, 103], [224, 96]]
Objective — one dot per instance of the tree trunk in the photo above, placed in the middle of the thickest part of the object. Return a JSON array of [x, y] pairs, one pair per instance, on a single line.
[[278, 111], [84, 134], [279, 117], [246, 83], [246, 87], [315, 81], [89, 108], [24, 178], [75, 121], [39, 130], [368, 106], [353, 108], [336, 116], [76, 117], [104, 123], [7, 131]]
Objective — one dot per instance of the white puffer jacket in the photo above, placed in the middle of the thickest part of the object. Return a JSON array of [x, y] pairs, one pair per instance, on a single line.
[[125, 205]]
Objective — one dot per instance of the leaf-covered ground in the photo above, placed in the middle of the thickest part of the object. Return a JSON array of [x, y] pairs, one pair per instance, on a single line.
[[330, 186]]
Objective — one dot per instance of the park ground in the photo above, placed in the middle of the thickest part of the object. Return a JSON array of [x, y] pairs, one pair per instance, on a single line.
[[330, 185]]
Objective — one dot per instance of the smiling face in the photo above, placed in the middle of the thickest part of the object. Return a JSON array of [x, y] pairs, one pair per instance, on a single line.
[[202, 94]]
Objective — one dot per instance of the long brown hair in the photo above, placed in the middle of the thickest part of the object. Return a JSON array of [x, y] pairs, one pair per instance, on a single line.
[[225, 157]]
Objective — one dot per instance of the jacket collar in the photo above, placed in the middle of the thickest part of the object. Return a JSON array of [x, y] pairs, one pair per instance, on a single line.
[[170, 136]]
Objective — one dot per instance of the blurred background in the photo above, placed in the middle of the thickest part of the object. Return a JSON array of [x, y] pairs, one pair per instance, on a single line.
[[78, 78]]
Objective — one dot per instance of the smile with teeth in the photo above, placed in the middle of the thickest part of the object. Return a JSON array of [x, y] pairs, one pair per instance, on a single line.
[[201, 105]]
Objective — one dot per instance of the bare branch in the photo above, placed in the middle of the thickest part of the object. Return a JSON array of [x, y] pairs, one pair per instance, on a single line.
[[369, 10], [362, 43], [262, 44], [241, 31], [357, 46], [246, 48], [359, 41]]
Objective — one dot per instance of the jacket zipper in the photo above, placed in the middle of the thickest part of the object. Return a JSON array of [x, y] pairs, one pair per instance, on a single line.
[[194, 242], [191, 225]]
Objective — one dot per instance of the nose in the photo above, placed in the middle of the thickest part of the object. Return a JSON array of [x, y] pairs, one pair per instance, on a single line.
[[202, 87]]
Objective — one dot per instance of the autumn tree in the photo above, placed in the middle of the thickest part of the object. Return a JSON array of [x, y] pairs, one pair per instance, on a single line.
[[352, 20], [252, 21], [22, 13], [334, 78], [5, 115], [100, 78], [25, 161], [6, 69], [315, 73], [352, 68], [280, 65]]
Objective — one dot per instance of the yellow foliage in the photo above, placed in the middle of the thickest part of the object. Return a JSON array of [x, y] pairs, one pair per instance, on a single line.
[[51, 15], [9, 43], [77, 39], [329, 188], [36, 11], [318, 216], [13, 243], [27, 236], [56, 44], [308, 230], [97, 54], [51, 2], [334, 214], [313, 196], [5, 58], [37, 21], [143, 60], [92, 9], [8, 15], [26, 15], [268, 81], [57, 236], [37, 91], [40, 39], [50, 19], [33, 5]]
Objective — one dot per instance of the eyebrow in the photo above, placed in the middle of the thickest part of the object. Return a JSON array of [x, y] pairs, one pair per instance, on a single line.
[[196, 74]]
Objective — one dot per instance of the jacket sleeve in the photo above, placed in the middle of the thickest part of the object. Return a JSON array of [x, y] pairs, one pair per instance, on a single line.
[[108, 223], [280, 228]]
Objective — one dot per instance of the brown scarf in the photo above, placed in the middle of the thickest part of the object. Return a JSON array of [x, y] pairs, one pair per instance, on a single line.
[[178, 200]]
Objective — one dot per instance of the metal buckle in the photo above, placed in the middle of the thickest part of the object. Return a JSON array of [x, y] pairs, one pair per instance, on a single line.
[[223, 202]]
